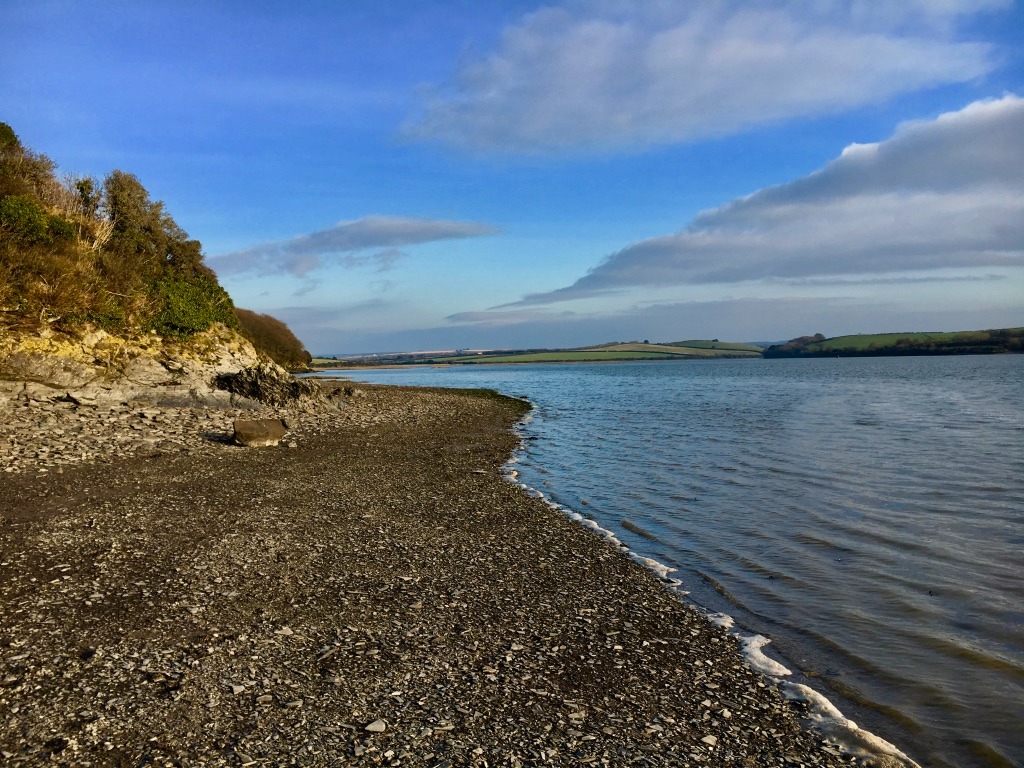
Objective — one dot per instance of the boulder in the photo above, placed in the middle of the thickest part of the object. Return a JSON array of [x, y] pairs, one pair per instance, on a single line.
[[259, 432]]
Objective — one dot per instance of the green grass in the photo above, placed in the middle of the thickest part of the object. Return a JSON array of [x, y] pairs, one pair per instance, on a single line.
[[726, 345], [597, 354]]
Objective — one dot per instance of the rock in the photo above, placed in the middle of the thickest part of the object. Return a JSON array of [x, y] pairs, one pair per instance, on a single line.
[[259, 432], [93, 366], [710, 740], [267, 383], [377, 726]]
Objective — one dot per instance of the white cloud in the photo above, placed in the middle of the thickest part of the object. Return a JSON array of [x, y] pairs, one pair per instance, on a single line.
[[605, 75], [347, 244], [939, 194]]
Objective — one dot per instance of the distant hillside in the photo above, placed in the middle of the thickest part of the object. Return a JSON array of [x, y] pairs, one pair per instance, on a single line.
[[715, 344], [994, 341], [610, 352]]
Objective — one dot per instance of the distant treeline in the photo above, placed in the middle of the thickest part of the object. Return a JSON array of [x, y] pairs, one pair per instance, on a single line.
[[995, 341], [76, 250]]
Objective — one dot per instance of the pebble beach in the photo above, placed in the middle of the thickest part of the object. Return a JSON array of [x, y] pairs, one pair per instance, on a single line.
[[372, 591]]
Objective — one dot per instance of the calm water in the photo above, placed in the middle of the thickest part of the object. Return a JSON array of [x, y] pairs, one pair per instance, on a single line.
[[865, 514]]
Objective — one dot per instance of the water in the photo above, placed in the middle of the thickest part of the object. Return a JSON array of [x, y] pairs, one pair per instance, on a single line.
[[865, 514]]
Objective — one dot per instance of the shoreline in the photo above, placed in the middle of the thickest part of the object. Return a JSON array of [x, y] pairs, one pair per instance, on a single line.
[[234, 606], [818, 713]]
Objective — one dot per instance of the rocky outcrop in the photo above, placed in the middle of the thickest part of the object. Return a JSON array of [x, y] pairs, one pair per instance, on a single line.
[[92, 366], [267, 383]]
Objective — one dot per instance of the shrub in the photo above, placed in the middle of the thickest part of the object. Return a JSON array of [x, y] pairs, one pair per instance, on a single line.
[[191, 306], [23, 219], [59, 228], [274, 339]]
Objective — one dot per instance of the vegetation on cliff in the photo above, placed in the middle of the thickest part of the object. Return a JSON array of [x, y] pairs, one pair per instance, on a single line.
[[75, 251], [274, 339], [897, 344]]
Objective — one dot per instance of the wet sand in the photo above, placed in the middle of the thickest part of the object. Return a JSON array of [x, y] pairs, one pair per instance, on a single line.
[[376, 595]]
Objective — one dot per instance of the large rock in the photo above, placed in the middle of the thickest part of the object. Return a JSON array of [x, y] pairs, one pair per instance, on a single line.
[[255, 433]]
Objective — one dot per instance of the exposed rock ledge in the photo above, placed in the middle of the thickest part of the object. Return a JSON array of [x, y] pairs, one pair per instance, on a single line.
[[216, 368]]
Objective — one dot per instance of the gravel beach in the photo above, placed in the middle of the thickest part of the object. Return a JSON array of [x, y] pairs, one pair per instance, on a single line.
[[372, 591]]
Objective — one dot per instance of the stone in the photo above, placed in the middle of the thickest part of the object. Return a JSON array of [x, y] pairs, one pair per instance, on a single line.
[[266, 383], [377, 726], [255, 433]]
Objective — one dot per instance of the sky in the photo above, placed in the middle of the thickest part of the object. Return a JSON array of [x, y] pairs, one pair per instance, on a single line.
[[428, 175]]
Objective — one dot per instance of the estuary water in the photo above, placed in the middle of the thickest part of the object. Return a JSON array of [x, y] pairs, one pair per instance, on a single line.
[[865, 514]]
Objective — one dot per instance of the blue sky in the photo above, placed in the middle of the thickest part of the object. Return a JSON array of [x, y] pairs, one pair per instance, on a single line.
[[432, 175]]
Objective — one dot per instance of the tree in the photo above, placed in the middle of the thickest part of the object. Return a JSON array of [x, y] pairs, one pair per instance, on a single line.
[[77, 251]]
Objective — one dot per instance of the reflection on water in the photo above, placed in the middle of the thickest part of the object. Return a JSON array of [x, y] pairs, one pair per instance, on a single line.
[[866, 514]]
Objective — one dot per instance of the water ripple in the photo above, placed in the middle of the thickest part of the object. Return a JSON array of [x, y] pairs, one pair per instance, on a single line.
[[866, 514]]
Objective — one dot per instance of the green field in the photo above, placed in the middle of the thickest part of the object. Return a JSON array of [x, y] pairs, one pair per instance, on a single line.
[[688, 349], [569, 356], [611, 352], [723, 345]]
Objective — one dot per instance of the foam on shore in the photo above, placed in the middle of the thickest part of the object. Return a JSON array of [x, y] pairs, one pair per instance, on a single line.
[[822, 716]]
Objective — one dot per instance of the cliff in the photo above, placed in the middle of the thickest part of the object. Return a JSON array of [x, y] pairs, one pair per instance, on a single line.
[[217, 367]]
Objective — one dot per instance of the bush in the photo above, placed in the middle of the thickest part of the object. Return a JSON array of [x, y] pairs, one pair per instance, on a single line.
[[191, 306], [59, 228], [274, 339], [23, 219]]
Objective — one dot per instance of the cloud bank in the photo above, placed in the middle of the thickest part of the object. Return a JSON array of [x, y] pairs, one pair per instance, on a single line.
[[370, 241], [603, 75], [944, 193]]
